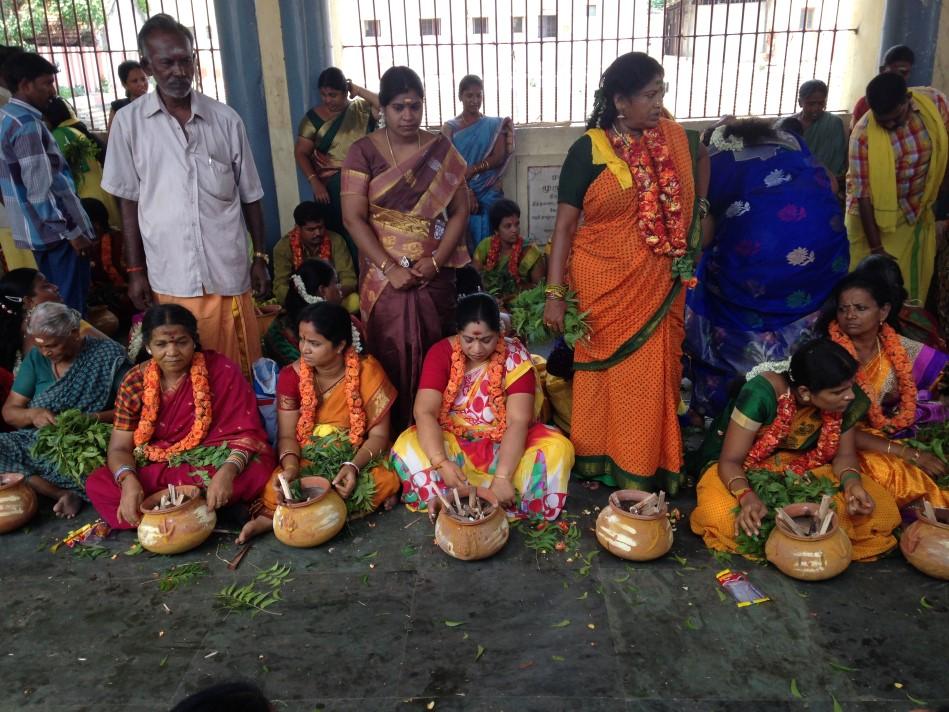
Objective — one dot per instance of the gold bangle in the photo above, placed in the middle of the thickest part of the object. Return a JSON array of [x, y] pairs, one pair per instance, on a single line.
[[728, 485], [435, 263], [284, 454], [382, 267]]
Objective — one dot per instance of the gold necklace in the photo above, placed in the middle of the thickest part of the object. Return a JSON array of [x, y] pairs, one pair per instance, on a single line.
[[407, 176]]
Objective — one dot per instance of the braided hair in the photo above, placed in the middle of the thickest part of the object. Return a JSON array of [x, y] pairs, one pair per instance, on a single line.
[[627, 75]]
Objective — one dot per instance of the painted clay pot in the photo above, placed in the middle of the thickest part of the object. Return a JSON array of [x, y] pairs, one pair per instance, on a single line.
[[17, 502], [813, 558], [174, 530], [471, 541], [635, 537], [925, 544], [310, 523]]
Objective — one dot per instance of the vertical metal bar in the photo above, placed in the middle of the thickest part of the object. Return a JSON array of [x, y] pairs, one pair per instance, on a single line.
[[484, 26], [586, 63], [679, 54], [708, 55], [800, 59], [438, 58], [362, 42], [754, 59], [767, 79], [82, 57], [391, 37], [497, 60], [787, 43], [833, 42], [405, 29], [527, 93], [721, 79], [422, 50], [556, 64], [116, 84], [820, 36], [375, 40]]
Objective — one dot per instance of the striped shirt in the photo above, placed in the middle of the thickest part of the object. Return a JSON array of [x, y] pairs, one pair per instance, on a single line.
[[912, 149], [38, 189]]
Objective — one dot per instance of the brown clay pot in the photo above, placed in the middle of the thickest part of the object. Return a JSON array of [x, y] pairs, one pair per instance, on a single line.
[[925, 544], [808, 558], [17, 502], [471, 541], [176, 529], [265, 315], [103, 319], [310, 523], [635, 537]]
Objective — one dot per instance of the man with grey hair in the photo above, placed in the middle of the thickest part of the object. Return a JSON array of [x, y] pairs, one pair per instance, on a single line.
[[180, 164]]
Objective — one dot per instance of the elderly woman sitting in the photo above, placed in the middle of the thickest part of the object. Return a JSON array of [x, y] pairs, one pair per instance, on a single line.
[[64, 371]]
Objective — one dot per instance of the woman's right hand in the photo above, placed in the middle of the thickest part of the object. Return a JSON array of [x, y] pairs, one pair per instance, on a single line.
[[752, 513], [452, 475], [401, 278], [929, 463], [41, 417], [320, 194], [131, 502], [554, 312], [289, 474]]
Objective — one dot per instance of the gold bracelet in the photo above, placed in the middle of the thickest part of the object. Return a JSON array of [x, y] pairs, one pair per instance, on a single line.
[[435, 263], [728, 485], [555, 291], [382, 267]]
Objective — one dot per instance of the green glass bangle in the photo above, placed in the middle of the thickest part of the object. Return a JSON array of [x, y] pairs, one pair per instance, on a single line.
[[848, 475]]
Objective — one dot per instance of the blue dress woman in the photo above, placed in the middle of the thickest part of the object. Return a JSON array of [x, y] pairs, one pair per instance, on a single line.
[[779, 248]]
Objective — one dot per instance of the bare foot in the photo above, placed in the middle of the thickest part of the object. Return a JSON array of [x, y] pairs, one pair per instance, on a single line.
[[591, 485], [390, 502], [257, 525], [68, 505]]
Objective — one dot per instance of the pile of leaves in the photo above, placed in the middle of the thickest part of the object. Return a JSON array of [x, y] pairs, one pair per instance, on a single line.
[[79, 151], [527, 317], [74, 445], [499, 283], [248, 597], [543, 536], [776, 491], [202, 456], [933, 438], [325, 456]]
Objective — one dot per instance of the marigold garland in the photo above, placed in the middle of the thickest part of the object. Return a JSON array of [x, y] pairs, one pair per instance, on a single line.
[[772, 436], [495, 393], [905, 414], [296, 248], [151, 402], [105, 255], [513, 262], [309, 402], [660, 217]]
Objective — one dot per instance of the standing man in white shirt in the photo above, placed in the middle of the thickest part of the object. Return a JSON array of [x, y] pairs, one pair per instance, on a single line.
[[181, 165]]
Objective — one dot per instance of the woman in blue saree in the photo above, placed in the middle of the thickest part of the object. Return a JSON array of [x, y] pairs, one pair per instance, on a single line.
[[347, 113], [778, 250], [487, 145]]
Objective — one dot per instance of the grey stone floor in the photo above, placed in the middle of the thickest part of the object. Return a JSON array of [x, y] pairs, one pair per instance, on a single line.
[[362, 626]]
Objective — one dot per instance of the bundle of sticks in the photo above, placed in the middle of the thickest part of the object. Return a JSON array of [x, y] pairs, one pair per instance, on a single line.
[[653, 504], [172, 498], [814, 525], [304, 494], [929, 512], [470, 509]]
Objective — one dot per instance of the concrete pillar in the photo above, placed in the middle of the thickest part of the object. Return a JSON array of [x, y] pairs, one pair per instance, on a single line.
[[941, 65], [914, 23]]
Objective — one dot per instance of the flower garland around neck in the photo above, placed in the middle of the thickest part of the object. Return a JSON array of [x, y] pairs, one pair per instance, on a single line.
[[296, 248], [514, 260], [495, 393], [772, 436], [659, 217], [151, 402], [905, 414], [310, 402]]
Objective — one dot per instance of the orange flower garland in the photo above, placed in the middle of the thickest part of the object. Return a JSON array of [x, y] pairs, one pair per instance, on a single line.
[[108, 266], [309, 402], [660, 191], [905, 414], [771, 438], [296, 248], [513, 262], [495, 393], [151, 402]]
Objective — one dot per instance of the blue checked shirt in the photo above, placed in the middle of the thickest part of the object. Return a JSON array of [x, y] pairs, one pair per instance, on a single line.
[[38, 189]]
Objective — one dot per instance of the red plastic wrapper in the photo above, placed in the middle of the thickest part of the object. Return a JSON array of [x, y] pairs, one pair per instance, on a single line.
[[744, 592]]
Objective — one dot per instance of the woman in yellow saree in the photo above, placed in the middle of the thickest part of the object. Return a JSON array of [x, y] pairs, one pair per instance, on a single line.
[[337, 399], [327, 132], [796, 417]]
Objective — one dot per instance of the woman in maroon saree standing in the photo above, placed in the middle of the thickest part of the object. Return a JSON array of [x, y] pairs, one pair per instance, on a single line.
[[397, 183], [179, 400]]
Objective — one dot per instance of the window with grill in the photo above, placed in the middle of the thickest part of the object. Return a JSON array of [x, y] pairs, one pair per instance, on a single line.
[[517, 25], [591, 9], [430, 26], [479, 25], [372, 28], [547, 26]]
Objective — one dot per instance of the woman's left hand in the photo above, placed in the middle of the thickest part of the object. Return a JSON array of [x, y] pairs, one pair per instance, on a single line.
[[931, 464], [504, 490], [424, 269], [859, 501], [345, 481], [221, 487], [473, 205]]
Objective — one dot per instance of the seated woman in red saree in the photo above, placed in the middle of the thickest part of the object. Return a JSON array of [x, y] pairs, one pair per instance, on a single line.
[[476, 421], [180, 399], [397, 184], [331, 398]]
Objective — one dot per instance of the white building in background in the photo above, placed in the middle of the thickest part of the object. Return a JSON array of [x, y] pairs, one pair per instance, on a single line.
[[541, 59]]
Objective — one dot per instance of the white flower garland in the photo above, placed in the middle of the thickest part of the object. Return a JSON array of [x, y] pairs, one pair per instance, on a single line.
[[773, 366], [732, 143], [316, 299]]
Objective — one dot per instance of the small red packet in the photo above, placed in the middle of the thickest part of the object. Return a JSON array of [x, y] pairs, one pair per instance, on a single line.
[[744, 592]]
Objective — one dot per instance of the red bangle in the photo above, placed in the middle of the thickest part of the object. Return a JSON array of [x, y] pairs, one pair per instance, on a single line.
[[744, 494], [130, 270]]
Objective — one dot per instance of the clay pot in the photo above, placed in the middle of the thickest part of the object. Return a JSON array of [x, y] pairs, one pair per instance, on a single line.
[[925, 544], [813, 558], [176, 529], [103, 319], [17, 502], [310, 523], [471, 541], [265, 315], [635, 537]]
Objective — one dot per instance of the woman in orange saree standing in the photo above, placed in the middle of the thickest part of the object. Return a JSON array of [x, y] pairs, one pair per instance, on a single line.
[[640, 182], [397, 183]]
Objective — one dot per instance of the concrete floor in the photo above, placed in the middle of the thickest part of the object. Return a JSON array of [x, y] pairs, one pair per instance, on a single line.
[[362, 626]]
